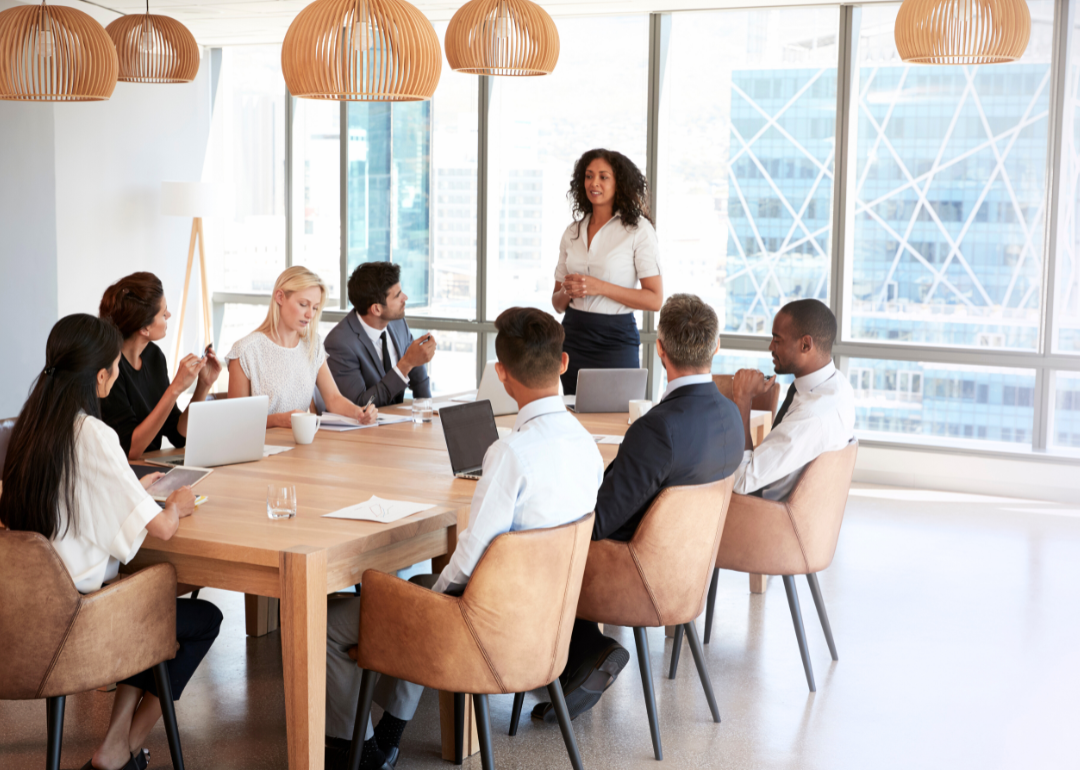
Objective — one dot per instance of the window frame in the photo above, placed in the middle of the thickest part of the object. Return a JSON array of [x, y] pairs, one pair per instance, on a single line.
[[1044, 361]]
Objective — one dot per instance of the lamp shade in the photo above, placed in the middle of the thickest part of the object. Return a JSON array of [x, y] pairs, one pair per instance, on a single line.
[[502, 37], [361, 50], [187, 199], [154, 49], [962, 31], [54, 54]]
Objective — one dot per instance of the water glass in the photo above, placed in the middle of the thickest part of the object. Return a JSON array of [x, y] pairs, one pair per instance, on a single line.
[[421, 410], [280, 501]]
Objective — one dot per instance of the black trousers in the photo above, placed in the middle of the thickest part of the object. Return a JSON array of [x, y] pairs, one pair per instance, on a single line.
[[586, 645], [596, 341], [197, 626]]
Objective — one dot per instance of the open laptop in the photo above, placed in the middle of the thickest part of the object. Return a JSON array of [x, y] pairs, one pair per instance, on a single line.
[[469, 430], [223, 432], [491, 389], [607, 390]]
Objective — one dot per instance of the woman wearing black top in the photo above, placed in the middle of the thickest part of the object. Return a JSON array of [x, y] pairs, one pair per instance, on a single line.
[[141, 407]]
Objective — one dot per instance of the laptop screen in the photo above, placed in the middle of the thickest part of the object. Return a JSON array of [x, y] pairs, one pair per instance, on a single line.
[[469, 430]]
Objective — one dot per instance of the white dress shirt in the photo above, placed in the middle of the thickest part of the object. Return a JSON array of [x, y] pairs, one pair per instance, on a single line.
[[544, 474], [113, 509], [821, 419], [618, 254], [690, 379], [375, 335]]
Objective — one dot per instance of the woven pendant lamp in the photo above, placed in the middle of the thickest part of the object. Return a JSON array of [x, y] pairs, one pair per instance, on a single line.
[[154, 49], [361, 51], [502, 37], [962, 31], [54, 54]]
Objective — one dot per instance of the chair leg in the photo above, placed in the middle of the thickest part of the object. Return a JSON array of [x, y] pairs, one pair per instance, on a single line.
[[515, 714], [703, 673], [54, 717], [168, 713], [559, 702], [195, 593], [483, 727], [815, 590], [676, 650], [642, 643], [363, 714], [800, 633], [459, 728], [710, 604]]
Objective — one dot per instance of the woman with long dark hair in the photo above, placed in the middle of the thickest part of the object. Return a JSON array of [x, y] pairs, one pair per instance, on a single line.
[[141, 407], [66, 477], [609, 265]]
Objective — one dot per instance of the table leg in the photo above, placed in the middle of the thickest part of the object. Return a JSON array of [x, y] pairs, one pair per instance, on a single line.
[[758, 583], [446, 724], [438, 563], [261, 614], [303, 652]]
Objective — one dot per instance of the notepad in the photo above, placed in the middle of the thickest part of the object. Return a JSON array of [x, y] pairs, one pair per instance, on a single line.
[[339, 423], [380, 510]]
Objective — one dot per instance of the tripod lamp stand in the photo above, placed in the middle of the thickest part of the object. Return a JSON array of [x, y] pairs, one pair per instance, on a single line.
[[195, 200]]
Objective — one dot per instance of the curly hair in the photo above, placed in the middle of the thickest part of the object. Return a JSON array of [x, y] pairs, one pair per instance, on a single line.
[[631, 191]]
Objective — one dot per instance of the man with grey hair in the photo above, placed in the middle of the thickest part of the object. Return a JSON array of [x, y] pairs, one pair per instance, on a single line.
[[693, 436]]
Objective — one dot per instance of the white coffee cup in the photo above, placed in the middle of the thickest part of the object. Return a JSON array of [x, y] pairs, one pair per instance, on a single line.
[[638, 407], [304, 427]]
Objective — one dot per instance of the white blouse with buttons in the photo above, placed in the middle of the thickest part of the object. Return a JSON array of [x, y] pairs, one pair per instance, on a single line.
[[618, 254]]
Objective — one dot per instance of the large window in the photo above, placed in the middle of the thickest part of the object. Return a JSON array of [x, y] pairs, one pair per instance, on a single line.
[[1067, 278], [950, 194], [746, 159], [596, 97], [316, 190]]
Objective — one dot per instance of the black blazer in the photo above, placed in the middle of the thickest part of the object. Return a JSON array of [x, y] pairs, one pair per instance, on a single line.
[[358, 368], [694, 436]]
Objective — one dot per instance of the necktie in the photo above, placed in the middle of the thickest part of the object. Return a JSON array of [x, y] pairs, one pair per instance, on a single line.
[[386, 364], [787, 403]]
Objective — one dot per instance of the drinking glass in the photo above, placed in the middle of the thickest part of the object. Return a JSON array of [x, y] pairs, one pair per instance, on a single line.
[[421, 410], [280, 501]]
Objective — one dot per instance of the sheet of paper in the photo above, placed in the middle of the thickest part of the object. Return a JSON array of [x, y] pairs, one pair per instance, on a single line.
[[438, 405], [607, 439], [342, 428], [391, 419], [270, 449], [329, 418], [377, 509]]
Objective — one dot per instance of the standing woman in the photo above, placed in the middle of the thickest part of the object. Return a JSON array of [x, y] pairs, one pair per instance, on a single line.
[[141, 407], [605, 255], [67, 478], [284, 358]]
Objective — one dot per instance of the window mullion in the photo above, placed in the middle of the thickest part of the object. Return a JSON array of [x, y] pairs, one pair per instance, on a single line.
[[846, 91]]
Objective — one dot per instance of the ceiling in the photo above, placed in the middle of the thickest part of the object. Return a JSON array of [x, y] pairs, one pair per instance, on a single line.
[[240, 22]]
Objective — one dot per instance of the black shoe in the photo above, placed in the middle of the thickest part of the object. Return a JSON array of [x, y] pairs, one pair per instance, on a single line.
[[584, 688], [391, 757]]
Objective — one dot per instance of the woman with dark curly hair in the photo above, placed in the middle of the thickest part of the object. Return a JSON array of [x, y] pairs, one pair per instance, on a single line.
[[606, 253]]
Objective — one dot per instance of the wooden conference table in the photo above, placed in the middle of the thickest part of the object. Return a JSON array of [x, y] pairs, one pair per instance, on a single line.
[[230, 543]]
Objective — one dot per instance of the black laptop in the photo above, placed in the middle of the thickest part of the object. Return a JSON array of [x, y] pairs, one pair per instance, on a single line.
[[469, 430]]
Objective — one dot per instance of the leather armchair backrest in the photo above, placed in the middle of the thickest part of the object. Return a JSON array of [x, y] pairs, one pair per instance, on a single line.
[[817, 504], [767, 402], [6, 429], [38, 603], [521, 600]]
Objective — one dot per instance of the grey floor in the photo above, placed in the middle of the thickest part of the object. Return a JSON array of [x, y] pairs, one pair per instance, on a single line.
[[956, 618]]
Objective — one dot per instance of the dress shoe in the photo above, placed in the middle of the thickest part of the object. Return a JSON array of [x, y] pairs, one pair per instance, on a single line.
[[391, 757], [587, 684]]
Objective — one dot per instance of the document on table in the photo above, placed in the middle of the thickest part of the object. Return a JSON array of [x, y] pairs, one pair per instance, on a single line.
[[377, 509], [607, 439], [270, 449], [338, 423]]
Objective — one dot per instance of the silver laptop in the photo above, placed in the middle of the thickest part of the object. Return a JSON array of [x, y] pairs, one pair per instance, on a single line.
[[607, 390], [223, 432], [469, 429], [491, 389]]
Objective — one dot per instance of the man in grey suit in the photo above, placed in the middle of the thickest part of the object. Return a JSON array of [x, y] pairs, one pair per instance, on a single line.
[[371, 352]]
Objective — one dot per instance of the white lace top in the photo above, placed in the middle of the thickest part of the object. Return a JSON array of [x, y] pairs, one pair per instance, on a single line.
[[287, 375]]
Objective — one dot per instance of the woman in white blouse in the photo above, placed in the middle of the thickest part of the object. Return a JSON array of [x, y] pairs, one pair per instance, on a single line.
[[284, 358], [67, 477], [609, 265]]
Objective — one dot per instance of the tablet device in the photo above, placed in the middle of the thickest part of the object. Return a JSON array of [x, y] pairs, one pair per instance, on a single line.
[[176, 478]]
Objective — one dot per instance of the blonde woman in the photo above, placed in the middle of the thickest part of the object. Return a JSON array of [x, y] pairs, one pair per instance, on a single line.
[[284, 358]]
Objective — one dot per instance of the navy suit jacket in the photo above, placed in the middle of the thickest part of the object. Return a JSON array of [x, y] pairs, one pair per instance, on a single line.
[[694, 436], [358, 368]]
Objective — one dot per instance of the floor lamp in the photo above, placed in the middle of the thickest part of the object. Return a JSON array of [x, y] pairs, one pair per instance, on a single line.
[[195, 200]]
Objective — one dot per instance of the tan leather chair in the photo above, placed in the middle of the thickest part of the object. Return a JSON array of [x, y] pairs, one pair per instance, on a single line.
[[58, 642], [795, 537], [660, 577], [508, 632], [6, 428], [766, 402]]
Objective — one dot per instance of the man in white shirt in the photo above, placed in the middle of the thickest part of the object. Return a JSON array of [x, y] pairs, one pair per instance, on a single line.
[[545, 474], [818, 413]]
